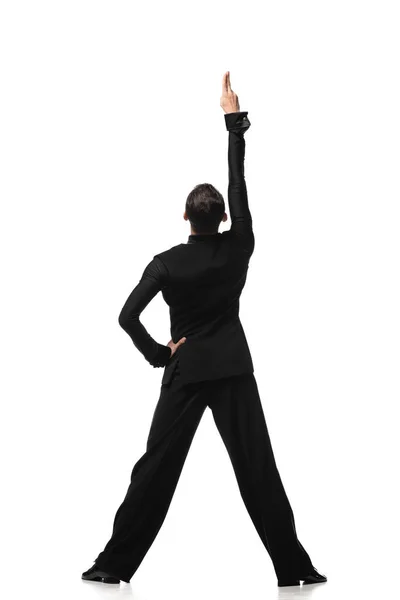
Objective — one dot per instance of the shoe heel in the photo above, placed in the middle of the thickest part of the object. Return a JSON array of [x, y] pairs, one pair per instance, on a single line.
[[110, 580], [283, 582]]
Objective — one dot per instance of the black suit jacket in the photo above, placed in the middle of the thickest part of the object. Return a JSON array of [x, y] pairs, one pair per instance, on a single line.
[[201, 281]]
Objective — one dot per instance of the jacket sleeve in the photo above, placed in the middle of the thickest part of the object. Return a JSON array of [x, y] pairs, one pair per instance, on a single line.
[[237, 124], [152, 280]]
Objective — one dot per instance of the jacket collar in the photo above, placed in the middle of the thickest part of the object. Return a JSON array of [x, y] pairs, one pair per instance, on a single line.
[[202, 237]]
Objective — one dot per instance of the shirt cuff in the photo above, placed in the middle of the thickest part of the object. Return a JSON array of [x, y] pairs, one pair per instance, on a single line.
[[162, 357], [237, 121]]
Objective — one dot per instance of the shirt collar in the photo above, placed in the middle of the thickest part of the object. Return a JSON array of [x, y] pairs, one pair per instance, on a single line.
[[202, 237]]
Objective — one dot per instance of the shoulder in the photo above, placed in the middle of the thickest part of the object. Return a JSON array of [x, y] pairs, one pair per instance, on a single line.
[[167, 257], [166, 254], [243, 242]]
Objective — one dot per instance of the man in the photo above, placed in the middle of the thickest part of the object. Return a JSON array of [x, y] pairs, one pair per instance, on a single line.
[[208, 365]]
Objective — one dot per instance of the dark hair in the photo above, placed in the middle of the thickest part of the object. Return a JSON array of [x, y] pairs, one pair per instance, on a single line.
[[205, 208]]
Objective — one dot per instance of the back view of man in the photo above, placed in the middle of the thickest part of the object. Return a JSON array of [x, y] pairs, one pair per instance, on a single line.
[[209, 365]]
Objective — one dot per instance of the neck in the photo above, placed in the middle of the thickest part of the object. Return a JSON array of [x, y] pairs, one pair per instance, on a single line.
[[202, 232]]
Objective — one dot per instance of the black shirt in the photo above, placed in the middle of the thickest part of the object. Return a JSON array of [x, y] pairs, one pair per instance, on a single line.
[[193, 309]]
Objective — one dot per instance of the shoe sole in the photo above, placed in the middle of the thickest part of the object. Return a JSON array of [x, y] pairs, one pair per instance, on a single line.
[[297, 582], [102, 579], [287, 583]]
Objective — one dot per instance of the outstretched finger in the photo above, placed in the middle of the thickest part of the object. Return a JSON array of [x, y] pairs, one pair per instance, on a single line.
[[225, 83], [228, 81]]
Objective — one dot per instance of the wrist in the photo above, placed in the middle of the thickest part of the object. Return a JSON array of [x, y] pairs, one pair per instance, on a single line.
[[162, 356], [237, 121]]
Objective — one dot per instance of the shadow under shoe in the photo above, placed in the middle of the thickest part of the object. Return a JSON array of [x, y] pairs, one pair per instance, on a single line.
[[313, 577], [95, 574]]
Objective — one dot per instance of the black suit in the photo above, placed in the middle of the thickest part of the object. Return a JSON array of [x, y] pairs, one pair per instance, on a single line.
[[202, 281]]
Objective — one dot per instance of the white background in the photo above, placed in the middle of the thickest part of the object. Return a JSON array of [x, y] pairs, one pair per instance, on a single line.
[[109, 116]]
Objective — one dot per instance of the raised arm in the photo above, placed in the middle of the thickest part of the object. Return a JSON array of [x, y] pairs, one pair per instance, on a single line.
[[237, 123]]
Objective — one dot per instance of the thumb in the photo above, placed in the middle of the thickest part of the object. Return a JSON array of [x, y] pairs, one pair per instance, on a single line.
[[181, 341]]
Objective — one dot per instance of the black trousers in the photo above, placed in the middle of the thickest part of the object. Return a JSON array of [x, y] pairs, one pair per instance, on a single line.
[[239, 417]]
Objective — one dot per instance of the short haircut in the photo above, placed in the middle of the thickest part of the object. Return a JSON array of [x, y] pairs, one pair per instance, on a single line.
[[205, 207]]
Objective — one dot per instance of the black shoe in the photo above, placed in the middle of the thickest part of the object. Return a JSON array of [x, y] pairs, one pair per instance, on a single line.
[[313, 577], [95, 574]]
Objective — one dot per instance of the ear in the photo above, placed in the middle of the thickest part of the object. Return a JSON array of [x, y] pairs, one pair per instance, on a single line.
[[224, 218], [185, 216]]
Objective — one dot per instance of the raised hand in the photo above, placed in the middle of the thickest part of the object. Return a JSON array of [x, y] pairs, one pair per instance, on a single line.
[[229, 100]]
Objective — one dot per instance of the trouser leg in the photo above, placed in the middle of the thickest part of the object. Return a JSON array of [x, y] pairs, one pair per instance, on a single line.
[[153, 480], [240, 419]]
